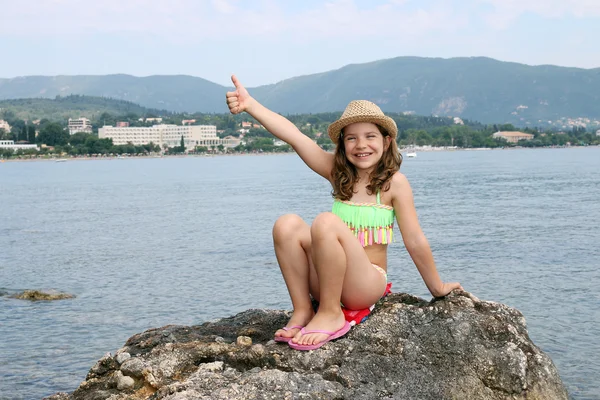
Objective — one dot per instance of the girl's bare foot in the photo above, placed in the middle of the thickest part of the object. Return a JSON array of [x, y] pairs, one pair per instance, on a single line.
[[299, 319], [330, 321]]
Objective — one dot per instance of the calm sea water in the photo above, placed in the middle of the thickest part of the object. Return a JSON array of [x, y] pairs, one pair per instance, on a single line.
[[149, 242]]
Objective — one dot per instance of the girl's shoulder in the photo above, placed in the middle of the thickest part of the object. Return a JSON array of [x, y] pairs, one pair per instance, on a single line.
[[398, 180], [399, 187]]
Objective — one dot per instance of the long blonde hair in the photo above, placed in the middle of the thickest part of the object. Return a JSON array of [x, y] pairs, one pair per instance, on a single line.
[[345, 176]]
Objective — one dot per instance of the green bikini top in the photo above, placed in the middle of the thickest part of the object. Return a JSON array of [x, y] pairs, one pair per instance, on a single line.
[[371, 223]]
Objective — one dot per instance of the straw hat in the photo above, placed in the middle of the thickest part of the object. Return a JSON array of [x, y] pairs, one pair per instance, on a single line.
[[362, 111]]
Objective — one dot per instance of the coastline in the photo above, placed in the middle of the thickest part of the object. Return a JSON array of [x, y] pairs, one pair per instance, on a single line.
[[402, 150]]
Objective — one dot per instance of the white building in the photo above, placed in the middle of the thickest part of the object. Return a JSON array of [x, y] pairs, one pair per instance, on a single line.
[[10, 144], [513, 137], [79, 125], [169, 135], [4, 125]]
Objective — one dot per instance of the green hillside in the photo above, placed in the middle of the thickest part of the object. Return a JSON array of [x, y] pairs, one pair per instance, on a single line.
[[174, 93], [74, 106], [477, 88]]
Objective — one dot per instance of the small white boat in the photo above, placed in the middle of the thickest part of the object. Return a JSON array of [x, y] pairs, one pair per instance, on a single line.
[[411, 154], [61, 160]]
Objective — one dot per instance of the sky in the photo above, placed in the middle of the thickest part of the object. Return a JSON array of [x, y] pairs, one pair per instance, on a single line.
[[266, 41]]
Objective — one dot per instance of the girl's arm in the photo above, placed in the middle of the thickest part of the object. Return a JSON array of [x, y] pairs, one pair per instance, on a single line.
[[414, 239], [316, 158]]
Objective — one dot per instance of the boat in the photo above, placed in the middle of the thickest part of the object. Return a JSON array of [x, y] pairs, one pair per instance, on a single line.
[[411, 154], [61, 160]]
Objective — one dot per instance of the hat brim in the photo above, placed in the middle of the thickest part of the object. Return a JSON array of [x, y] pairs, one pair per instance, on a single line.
[[335, 129]]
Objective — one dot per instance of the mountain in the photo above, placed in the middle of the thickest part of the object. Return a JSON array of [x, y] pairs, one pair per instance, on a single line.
[[62, 108], [476, 88], [173, 92]]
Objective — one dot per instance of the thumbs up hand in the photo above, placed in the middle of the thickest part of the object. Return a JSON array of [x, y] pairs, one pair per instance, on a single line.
[[239, 99]]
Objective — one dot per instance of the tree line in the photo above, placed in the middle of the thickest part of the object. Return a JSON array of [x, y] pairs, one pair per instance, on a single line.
[[413, 130]]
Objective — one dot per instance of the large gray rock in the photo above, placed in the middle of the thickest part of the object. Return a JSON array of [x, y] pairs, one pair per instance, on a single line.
[[452, 348]]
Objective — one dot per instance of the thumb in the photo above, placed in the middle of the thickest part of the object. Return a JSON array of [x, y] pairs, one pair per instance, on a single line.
[[236, 82]]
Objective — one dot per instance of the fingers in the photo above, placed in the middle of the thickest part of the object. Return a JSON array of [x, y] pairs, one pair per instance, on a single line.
[[235, 81], [232, 102]]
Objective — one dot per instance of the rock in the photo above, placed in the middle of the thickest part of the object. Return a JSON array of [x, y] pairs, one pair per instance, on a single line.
[[453, 348], [121, 357], [244, 341], [123, 382], [38, 295], [133, 367]]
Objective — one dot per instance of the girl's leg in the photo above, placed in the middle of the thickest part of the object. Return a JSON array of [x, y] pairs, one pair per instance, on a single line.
[[291, 238], [344, 273]]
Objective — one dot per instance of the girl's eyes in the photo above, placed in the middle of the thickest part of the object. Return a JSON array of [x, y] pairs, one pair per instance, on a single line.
[[349, 138]]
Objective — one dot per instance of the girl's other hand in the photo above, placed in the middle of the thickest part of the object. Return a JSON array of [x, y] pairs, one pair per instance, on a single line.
[[238, 100], [447, 288]]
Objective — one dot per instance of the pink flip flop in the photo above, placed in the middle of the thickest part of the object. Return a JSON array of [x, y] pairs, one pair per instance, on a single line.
[[332, 335], [287, 339]]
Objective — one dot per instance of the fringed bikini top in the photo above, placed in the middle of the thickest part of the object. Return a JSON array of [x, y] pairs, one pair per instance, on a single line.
[[371, 223]]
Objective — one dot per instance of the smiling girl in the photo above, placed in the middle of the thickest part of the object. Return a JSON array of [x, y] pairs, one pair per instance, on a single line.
[[341, 258]]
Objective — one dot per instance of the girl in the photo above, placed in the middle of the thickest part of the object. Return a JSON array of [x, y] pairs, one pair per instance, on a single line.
[[342, 257]]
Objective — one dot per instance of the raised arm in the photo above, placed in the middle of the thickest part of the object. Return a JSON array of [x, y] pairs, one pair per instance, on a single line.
[[414, 240], [315, 157]]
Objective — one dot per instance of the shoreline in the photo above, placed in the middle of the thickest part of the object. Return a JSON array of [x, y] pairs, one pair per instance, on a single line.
[[402, 150]]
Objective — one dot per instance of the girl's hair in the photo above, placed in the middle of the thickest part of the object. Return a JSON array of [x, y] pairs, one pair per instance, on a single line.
[[345, 175]]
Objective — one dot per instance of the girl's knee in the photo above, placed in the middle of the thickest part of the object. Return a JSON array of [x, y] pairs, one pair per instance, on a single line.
[[287, 226], [324, 223]]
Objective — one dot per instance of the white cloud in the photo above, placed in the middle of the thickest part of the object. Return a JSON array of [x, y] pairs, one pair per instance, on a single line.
[[505, 12], [223, 6], [183, 19]]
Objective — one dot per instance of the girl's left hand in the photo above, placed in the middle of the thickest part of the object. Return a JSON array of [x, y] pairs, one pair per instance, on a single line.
[[447, 288]]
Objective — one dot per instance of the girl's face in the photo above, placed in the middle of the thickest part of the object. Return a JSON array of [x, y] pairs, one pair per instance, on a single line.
[[364, 144]]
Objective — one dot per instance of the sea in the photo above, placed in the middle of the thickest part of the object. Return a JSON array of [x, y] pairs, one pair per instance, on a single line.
[[147, 242]]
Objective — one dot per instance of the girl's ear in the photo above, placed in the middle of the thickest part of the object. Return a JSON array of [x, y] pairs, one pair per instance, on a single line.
[[386, 142]]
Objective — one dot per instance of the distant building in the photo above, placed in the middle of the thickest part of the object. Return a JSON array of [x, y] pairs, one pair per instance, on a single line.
[[246, 124], [169, 135], [512, 137], [157, 120], [598, 132], [4, 125], [122, 124], [232, 141], [79, 125], [188, 122], [10, 144]]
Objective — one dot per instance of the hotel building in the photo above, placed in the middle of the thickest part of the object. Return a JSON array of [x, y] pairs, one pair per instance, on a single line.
[[513, 137], [10, 144], [169, 135], [79, 125]]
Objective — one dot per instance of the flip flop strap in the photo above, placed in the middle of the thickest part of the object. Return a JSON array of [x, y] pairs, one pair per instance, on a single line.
[[304, 331], [285, 328]]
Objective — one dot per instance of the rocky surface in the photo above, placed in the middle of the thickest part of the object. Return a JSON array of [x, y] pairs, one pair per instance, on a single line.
[[452, 348], [39, 295]]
